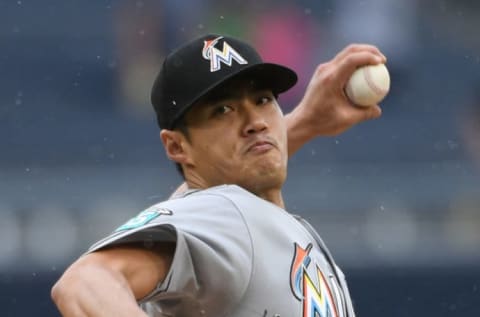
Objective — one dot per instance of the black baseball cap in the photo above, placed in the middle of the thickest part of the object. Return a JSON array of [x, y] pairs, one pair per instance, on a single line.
[[201, 65]]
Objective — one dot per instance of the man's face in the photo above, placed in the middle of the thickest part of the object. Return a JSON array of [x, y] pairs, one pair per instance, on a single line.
[[237, 135]]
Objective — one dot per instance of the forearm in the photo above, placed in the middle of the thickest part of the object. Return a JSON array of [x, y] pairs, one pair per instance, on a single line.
[[94, 290], [297, 132]]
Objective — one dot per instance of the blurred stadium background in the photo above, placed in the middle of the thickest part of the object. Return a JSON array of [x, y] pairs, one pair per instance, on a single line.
[[397, 200]]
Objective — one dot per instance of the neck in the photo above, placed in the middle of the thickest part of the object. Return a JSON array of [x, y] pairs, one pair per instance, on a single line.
[[272, 195]]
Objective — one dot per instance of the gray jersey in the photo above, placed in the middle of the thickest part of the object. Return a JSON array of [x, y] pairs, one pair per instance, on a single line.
[[237, 255]]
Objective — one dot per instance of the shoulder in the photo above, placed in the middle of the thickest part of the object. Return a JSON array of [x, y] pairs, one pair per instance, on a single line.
[[200, 202], [224, 198], [225, 192], [194, 213], [230, 193]]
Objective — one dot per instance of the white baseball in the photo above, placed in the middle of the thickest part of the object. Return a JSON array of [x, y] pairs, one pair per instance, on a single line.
[[368, 85]]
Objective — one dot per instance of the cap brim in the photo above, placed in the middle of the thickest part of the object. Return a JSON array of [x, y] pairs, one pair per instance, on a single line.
[[276, 77], [273, 76]]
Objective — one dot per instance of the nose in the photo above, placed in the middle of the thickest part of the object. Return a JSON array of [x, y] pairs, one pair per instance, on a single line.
[[255, 120]]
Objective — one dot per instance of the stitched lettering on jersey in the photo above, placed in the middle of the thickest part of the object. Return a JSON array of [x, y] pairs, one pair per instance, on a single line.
[[144, 217], [315, 295]]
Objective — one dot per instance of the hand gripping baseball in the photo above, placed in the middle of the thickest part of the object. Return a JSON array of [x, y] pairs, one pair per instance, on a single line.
[[325, 110]]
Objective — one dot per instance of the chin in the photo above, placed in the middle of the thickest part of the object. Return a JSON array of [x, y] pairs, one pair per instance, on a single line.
[[265, 172], [265, 179]]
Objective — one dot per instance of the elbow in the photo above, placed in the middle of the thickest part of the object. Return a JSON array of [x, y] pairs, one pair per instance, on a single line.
[[89, 275], [72, 284], [56, 292], [65, 286]]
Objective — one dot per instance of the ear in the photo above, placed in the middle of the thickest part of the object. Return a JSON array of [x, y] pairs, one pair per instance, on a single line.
[[176, 146]]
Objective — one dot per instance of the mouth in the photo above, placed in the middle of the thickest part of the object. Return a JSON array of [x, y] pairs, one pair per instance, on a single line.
[[260, 146]]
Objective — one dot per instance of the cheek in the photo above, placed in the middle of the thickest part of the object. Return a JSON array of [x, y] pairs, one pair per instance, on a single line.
[[280, 128], [215, 150]]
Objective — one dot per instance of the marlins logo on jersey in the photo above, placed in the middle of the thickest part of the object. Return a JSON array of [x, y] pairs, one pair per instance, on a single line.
[[227, 55], [313, 291]]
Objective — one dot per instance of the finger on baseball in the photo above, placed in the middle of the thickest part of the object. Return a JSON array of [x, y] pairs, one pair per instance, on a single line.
[[373, 112], [361, 113], [368, 113], [354, 48], [351, 62]]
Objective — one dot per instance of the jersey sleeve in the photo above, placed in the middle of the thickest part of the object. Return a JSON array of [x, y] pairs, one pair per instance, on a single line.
[[211, 266]]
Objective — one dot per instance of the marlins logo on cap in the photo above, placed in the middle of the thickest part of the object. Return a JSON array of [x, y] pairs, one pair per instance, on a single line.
[[216, 57]]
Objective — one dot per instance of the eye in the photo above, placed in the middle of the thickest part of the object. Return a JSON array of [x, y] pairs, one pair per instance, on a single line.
[[263, 100], [222, 109]]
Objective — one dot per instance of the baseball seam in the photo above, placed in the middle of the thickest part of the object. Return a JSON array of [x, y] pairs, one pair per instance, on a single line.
[[368, 78], [349, 92]]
